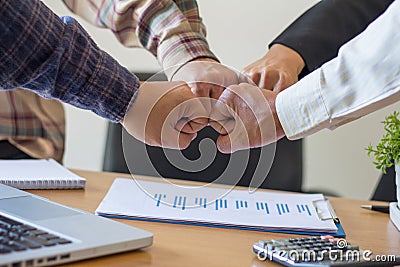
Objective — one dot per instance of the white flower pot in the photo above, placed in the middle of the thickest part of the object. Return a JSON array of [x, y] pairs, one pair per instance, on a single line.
[[397, 169], [394, 206]]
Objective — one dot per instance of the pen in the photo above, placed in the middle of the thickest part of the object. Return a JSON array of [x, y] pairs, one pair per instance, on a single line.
[[384, 209]]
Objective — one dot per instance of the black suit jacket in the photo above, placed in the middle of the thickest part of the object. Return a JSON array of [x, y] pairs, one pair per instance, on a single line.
[[317, 36]]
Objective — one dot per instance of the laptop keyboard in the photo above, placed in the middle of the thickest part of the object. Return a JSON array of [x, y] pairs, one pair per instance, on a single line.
[[16, 236]]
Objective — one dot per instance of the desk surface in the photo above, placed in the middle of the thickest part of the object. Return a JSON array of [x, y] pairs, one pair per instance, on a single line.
[[182, 245]]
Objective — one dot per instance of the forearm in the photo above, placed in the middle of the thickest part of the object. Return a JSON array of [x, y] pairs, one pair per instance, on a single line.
[[171, 30], [363, 78], [318, 34], [57, 59]]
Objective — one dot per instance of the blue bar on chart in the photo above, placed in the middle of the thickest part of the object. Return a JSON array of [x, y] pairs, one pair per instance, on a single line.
[[278, 208], [184, 203], [158, 197], [241, 204], [303, 208], [262, 206], [221, 203], [201, 201], [282, 208], [180, 202], [308, 210]]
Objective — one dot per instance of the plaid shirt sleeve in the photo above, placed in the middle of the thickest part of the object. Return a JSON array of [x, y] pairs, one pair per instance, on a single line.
[[172, 31], [57, 59]]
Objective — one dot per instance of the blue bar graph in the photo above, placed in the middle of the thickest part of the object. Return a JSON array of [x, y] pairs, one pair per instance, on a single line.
[[242, 204], [303, 208], [179, 202], [184, 203], [220, 204], [308, 210], [202, 202], [260, 206], [266, 208], [158, 197], [279, 209]]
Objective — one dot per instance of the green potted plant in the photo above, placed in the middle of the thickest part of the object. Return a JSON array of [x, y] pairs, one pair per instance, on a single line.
[[387, 154]]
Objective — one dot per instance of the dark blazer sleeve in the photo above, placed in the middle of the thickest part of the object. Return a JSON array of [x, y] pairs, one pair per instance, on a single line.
[[318, 34]]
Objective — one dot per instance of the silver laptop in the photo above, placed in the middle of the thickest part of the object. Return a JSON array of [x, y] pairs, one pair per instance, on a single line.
[[37, 232]]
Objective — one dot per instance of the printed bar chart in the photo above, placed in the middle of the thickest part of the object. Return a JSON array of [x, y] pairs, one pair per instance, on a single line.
[[183, 202], [219, 207]]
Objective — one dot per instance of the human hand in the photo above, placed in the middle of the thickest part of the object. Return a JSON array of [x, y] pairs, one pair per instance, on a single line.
[[245, 116], [208, 78], [277, 70], [165, 114]]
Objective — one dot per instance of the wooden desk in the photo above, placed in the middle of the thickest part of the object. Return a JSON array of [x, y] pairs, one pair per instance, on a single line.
[[181, 245]]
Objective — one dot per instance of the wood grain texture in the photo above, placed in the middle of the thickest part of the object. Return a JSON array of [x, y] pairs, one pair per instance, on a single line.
[[182, 245]]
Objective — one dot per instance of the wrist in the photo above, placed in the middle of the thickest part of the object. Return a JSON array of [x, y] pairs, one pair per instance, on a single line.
[[289, 55], [179, 49], [278, 126]]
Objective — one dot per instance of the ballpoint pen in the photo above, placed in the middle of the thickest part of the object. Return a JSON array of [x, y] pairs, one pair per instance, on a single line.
[[384, 209]]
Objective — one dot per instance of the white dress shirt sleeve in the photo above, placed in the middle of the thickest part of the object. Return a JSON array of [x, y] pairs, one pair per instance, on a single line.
[[364, 77]]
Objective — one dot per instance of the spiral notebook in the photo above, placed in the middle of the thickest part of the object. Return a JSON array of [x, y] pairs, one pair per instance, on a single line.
[[38, 174]]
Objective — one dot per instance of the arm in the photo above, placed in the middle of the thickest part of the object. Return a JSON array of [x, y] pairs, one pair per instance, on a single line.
[[318, 34], [363, 78], [172, 31], [62, 62], [311, 40]]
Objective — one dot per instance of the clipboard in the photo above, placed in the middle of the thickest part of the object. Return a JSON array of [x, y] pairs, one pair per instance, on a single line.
[[330, 216], [308, 214]]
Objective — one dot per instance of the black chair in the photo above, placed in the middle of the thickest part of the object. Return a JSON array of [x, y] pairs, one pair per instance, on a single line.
[[285, 172], [385, 190]]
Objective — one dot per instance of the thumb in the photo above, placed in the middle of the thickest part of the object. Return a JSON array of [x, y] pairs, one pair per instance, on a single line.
[[224, 144], [183, 122]]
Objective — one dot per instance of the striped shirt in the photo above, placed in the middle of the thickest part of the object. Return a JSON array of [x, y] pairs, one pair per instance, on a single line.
[[172, 30], [57, 59], [364, 77]]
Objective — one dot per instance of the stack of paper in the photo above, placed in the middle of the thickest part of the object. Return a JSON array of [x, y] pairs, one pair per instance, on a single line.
[[219, 207]]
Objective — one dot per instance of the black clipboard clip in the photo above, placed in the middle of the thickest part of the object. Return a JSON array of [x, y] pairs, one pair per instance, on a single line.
[[325, 210]]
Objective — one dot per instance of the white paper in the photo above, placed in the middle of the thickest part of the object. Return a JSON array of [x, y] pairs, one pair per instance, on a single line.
[[38, 174], [205, 205]]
